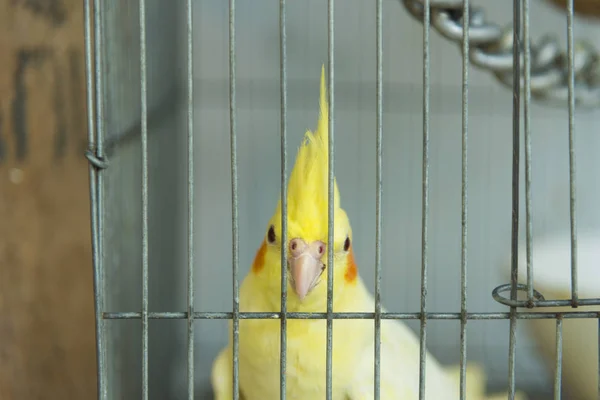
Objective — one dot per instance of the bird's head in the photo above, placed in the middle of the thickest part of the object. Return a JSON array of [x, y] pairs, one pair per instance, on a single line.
[[307, 235]]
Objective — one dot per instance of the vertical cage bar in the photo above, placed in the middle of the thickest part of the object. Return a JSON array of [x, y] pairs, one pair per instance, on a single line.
[[572, 175], [464, 203], [527, 133], [234, 200], [515, 195], [190, 123], [558, 370], [283, 95], [144, 126], [99, 86], [95, 144], [425, 200], [599, 355], [378, 194], [330, 227]]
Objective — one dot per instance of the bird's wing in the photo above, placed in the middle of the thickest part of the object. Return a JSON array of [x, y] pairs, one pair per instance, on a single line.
[[399, 364]]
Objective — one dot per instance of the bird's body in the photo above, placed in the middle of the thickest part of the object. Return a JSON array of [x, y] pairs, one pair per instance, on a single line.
[[353, 339], [352, 356], [305, 368]]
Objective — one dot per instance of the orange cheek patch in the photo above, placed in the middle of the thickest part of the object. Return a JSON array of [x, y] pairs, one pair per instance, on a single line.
[[351, 270], [259, 259]]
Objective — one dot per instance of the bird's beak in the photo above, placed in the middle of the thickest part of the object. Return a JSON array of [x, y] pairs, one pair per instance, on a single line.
[[305, 265]]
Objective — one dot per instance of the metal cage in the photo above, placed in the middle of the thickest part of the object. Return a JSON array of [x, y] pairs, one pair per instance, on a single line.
[[142, 129]]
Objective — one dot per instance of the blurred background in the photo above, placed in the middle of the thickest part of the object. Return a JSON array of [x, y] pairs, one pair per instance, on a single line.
[[46, 297]]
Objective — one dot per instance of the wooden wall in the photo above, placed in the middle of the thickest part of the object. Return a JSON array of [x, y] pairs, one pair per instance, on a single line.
[[47, 348]]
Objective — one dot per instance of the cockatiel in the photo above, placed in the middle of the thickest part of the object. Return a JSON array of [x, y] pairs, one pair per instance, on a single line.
[[353, 340]]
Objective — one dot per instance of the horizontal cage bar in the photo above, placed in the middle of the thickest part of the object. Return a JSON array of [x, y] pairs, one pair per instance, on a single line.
[[353, 315]]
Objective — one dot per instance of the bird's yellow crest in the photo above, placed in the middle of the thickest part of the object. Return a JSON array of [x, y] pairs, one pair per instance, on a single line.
[[308, 185]]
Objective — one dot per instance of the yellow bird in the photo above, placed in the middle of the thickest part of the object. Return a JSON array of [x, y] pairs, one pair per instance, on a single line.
[[353, 340]]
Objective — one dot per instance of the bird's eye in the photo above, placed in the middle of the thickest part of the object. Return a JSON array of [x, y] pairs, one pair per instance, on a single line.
[[347, 243], [271, 234]]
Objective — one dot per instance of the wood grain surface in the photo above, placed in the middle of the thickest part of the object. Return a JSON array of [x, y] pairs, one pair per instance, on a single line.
[[47, 337]]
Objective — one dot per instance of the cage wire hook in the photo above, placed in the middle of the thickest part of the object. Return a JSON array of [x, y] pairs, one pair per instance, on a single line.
[[490, 48], [94, 160]]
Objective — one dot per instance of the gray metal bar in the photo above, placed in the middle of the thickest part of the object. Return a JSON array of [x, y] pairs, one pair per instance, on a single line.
[[330, 209], [284, 279], [99, 83], [425, 199], [234, 200], [558, 371], [144, 123], [352, 315], [515, 196], [599, 355], [95, 144], [294, 315], [378, 194], [190, 122], [464, 203], [526, 107], [572, 162]]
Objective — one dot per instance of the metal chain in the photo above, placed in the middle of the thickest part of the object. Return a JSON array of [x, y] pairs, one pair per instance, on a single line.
[[491, 49]]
